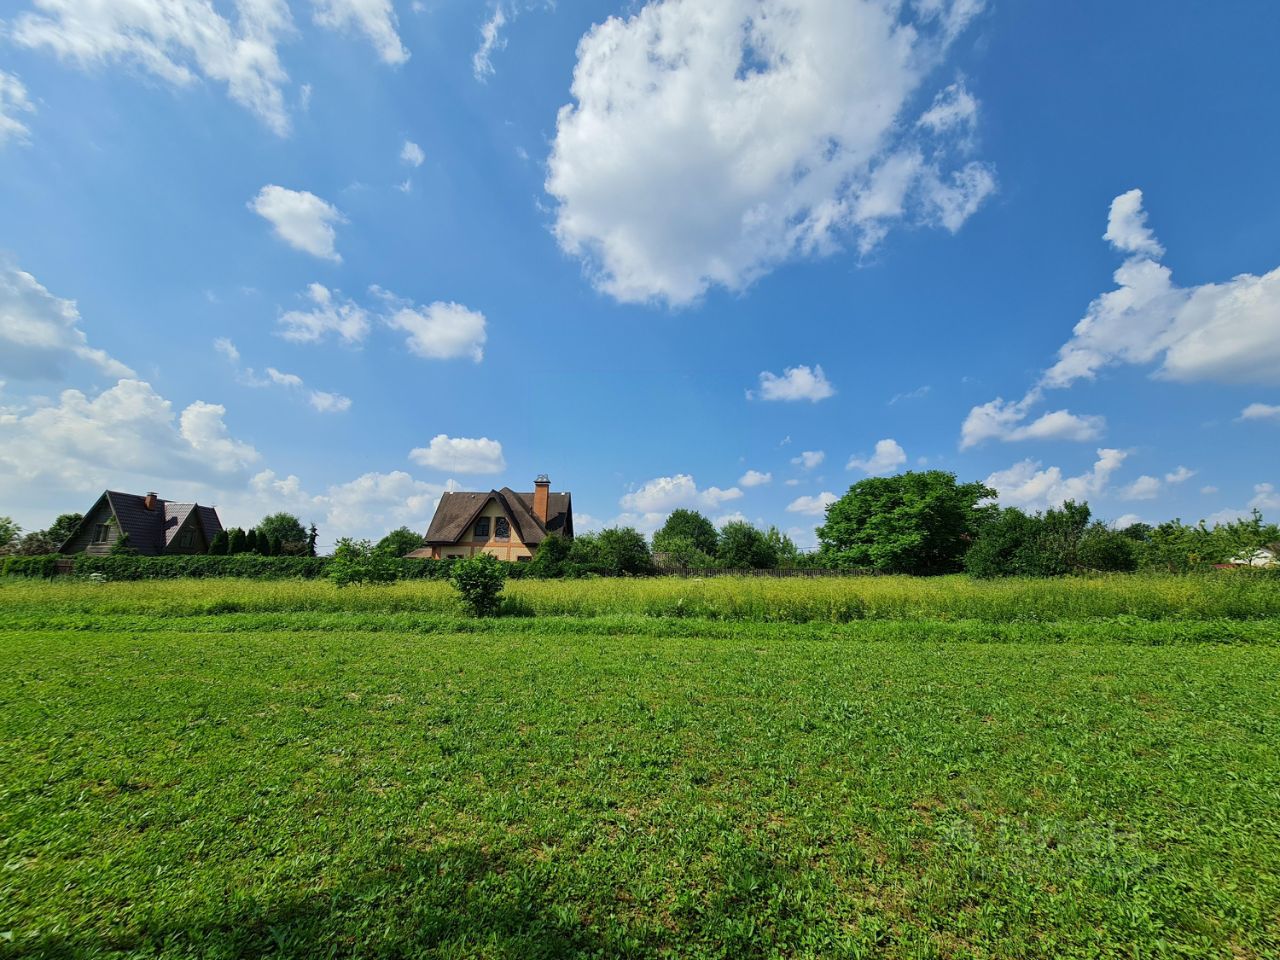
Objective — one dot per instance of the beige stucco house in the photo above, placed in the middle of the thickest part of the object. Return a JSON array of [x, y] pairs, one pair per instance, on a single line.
[[504, 523]]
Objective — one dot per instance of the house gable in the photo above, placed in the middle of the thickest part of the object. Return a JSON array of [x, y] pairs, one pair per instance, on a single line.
[[163, 527], [466, 523]]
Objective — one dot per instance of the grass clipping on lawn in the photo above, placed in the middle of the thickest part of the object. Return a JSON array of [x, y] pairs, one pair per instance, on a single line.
[[289, 770]]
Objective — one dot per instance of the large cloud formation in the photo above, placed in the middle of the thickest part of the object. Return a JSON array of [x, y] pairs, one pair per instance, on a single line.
[[711, 140], [1217, 332]]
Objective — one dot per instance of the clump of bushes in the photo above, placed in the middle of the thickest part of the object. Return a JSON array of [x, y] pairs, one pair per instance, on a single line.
[[479, 580], [1051, 544]]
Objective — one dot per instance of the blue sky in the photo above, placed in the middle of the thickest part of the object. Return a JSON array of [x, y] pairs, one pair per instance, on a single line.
[[337, 256]]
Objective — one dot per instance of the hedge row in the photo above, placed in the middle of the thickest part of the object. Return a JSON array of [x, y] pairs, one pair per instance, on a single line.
[[247, 565]]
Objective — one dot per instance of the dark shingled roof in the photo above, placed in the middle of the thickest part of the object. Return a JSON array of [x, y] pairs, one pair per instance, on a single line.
[[151, 531], [458, 510]]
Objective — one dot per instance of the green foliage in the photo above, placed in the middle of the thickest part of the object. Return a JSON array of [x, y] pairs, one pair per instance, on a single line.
[[356, 561], [1051, 544], [687, 530], [121, 546], [1175, 547], [1104, 550], [743, 547], [9, 532], [622, 552], [680, 554], [236, 541], [286, 528], [479, 580], [311, 540], [29, 565], [784, 548], [552, 558], [251, 541], [218, 545], [399, 542], [62, 528], [1005, 546], [917, 523]]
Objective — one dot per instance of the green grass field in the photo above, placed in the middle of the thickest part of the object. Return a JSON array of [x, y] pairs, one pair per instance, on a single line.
[[853, 768]]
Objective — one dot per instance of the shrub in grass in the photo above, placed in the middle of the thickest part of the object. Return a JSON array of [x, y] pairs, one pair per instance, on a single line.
[[479, 579], [357, 561]]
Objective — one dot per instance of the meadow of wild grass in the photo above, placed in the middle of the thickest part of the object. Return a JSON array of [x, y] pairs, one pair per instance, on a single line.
[[844, 768], [1231, 596]]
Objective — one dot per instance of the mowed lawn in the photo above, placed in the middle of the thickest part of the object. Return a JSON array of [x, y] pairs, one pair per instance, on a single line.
[[364, 784]]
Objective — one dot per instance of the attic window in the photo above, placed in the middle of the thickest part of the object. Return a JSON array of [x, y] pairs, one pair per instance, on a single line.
[[102, 533], [482, 529], [502, 529]]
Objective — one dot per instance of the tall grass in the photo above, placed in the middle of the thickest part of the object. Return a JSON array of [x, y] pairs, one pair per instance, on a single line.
[[836, 600]]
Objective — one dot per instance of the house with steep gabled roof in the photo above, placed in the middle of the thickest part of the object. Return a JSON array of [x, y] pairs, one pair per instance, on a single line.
[[504, 523], [154, 527]]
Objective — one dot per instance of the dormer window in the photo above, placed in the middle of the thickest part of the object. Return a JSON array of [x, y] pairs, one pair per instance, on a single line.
[[482, 529], [502, 529]]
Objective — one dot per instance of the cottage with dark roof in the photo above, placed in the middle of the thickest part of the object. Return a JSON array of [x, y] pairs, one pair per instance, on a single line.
[[504, 523], [155, 527]]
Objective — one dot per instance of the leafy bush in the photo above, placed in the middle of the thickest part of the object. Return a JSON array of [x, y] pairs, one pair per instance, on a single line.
[[479, 579], [743, 547], [356, 561], [551, 559], [196, 566], [1106, 551], [1050, 544], [620, 552], [29, 566]]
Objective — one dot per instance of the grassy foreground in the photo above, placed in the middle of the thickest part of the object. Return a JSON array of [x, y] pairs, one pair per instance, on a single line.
[[241, 770]]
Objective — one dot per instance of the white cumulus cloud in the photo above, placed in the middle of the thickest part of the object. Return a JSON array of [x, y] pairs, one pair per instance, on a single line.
[[412, 154], [460, 455], [664, 494], [1261, 411], [438, 331], [1004, 420], [796, 383], [754, 478], [300, 219], [812, 506], [128, 433], [1220, 332], [888, 457], [711, 140], [329, 314], [1031, 487], [40, 333], [809, 459]]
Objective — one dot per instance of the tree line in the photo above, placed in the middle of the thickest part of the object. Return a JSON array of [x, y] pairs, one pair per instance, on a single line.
[[918, 523]]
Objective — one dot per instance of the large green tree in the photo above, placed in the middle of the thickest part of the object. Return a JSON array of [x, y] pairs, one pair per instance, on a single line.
[[399, 542], [286, 528], [743, 547], [9, 532], [919, 523], [686, 528]]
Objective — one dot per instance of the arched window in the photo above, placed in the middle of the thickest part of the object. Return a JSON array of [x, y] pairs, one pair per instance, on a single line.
[[502, 529]]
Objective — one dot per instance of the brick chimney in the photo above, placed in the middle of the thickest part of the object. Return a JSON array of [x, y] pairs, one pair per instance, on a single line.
[[149, 501], [541, 497]]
